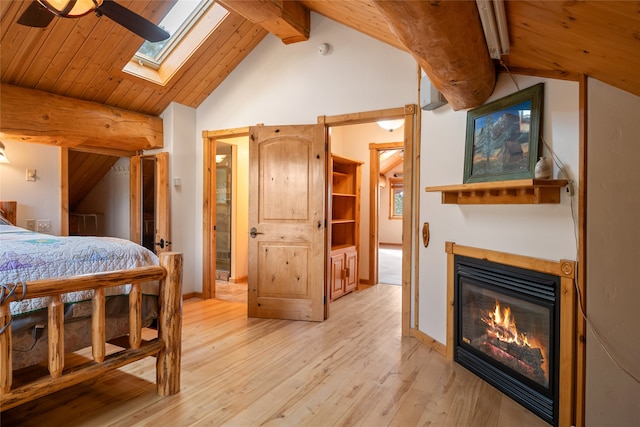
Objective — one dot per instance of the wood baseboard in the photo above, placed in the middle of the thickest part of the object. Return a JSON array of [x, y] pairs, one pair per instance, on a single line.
[[241, 279], [192, 295], [427, 340]]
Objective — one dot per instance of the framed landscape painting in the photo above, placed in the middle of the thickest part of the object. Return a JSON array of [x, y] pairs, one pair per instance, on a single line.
[[502, 137]]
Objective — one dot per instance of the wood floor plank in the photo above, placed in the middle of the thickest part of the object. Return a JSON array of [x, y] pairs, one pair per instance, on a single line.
[[354, 369]]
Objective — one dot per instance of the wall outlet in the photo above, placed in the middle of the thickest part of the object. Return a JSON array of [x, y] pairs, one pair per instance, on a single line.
[[31, 224], [43, 225]]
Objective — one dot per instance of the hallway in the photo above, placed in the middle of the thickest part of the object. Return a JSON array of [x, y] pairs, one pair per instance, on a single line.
[[390, 264]]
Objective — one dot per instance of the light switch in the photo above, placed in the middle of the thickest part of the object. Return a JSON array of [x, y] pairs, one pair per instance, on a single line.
[[31, 174]]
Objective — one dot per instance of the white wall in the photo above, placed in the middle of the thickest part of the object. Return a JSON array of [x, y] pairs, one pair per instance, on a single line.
[[613, 256], [181, 139], [543, 231], [111, 198], [39, 199], [281, 84]]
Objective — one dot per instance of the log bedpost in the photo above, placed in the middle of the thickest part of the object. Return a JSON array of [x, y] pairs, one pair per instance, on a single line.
[[56, 336], [6, 368], [170, 325], [98, 329], [135, 316]]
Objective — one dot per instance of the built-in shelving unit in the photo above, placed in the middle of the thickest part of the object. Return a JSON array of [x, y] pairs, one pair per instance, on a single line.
[[345, 225], [521, 191]]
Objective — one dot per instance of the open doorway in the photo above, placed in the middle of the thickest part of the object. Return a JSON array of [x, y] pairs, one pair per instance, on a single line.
[[380, 160], [225, 240], [390, 187]]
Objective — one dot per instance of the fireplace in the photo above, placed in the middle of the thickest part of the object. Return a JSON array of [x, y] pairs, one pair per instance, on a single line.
[[507, 331], [540, 296]]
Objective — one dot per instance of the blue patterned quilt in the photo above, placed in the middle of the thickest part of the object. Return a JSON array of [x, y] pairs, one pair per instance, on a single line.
[[27, 256]]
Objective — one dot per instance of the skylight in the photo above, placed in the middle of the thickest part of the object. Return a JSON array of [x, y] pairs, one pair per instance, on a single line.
[[189, 23], [182, 16]]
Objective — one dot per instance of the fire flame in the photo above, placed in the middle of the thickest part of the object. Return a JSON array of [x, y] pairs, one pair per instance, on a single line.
[[503, 326]]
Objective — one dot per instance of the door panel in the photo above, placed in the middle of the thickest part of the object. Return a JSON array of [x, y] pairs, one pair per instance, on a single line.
[[163, 206], [161, 221], [286, 213]]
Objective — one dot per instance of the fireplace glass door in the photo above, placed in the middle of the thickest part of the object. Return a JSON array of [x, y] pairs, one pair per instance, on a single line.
[[506, 321], [510, 331]]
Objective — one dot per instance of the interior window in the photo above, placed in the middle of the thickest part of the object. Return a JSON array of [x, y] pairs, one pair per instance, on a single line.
[[396, 197]]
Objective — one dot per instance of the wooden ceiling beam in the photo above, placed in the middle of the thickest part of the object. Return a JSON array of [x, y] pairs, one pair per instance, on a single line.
[[447, 40], [288, 20], [34, 116]]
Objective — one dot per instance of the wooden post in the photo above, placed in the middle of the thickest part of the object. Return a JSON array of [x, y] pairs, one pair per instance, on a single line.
[[450, 298], [6, 367], [56, 336], [98, 330], [567, 374], [135, 316], [170, 325]]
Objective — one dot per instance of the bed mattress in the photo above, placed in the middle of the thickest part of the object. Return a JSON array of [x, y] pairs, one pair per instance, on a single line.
[[27, 256]]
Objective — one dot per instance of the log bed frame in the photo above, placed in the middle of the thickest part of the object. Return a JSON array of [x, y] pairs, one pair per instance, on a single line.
[[166, 347]]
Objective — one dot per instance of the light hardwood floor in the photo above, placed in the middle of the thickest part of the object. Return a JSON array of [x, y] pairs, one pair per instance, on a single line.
[[352, 370]]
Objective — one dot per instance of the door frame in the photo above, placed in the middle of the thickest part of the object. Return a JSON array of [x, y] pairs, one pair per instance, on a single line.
[[409, 113], [374, 203], [411, 200], [209, 139]]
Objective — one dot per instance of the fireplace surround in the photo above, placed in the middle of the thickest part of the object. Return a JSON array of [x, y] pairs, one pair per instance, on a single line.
[[510, 320]]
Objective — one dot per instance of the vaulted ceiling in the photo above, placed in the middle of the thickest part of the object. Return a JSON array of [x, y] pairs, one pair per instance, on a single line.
[[83, 58]]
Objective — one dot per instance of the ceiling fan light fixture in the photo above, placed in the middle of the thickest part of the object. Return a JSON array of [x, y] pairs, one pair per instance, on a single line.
[[70, 8]]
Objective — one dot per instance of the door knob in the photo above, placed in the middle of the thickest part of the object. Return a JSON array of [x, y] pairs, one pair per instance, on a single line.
[[253, 232], [162, 243]]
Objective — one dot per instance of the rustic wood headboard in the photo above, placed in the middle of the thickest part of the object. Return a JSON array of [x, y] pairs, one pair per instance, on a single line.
[[9, 209]]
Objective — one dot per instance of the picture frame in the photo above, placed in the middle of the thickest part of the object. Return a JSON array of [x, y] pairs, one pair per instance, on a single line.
[[502, 137]]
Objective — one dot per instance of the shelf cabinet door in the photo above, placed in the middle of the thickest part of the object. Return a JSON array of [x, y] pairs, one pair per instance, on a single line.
[[351, 260], [337, 276]]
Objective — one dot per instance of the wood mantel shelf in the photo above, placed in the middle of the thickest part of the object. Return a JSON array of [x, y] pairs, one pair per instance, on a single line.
[[521, 191]]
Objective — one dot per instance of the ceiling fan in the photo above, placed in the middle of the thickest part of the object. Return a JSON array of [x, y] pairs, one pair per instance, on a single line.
[[41, 12]]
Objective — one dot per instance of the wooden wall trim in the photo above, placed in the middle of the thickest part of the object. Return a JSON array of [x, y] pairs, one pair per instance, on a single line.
[[363, 117], [429, 341], [581, 325]]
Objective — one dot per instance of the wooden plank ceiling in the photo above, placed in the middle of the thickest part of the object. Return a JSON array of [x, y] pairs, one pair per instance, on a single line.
[[83, 58]]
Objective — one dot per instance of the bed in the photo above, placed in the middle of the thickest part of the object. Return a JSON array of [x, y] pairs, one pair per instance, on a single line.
[[59, 295]]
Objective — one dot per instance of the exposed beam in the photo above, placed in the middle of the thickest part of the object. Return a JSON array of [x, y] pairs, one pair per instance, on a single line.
[[288, 20], [35, 116], [447, 40]]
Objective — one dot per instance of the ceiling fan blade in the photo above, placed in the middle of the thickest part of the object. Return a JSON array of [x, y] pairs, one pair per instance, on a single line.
[[35, 16], [132, 21]]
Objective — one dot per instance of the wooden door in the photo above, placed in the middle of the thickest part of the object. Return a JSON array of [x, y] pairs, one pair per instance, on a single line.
[[162, 219], [287, 222]]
